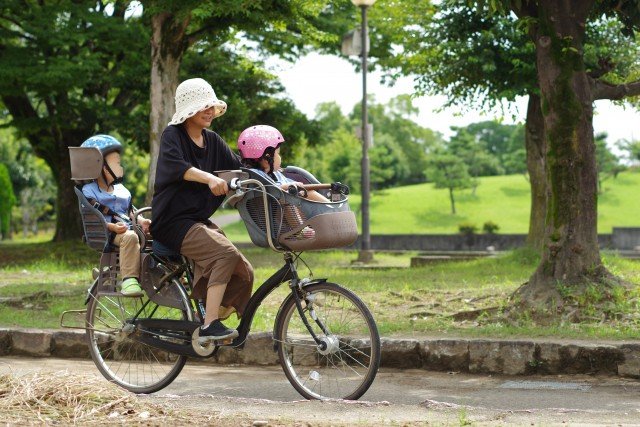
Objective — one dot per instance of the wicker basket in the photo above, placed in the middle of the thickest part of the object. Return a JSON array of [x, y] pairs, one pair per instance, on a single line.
[[295, 223]]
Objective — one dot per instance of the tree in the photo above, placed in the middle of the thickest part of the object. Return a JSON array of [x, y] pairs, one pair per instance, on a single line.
[[329, 118], [31, 179], [567, 90], [7, 200], [482, 60], [389, 163], [396, 120], [342, 156], [450, 172], [399, 151], [631, 149], [503, 142], [68, 70], [474, 154]]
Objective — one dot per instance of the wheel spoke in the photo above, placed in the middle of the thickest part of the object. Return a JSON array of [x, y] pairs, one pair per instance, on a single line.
[[339, 367], [119, 354]]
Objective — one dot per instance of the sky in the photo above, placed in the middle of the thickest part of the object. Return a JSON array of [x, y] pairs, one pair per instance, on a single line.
[[317, 78]]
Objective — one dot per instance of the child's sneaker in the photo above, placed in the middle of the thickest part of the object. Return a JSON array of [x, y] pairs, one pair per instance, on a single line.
[[216, 331], [131, 288]]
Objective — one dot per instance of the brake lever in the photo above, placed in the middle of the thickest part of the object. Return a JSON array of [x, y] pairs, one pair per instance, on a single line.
[[338, 187]]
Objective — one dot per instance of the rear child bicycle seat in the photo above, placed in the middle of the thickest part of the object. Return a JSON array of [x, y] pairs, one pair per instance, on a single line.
[[94, 226]]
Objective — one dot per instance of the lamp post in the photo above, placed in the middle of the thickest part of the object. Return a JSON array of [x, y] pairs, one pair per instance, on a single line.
[[365, 254]]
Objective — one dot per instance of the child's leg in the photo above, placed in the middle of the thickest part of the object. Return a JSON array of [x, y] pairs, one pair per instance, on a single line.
[[129, 254]]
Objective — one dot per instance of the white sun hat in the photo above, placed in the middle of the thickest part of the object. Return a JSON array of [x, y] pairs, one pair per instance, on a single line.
[[193, 96]]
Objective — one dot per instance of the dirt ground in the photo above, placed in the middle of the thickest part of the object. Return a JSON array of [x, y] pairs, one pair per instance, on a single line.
[[260, 396]]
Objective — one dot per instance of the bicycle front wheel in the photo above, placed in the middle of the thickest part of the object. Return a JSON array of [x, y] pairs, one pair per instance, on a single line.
[[120, 357], [346, 361]]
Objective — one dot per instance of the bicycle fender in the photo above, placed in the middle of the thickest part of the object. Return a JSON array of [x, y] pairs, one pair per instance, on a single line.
[[314, 282], [90, 292]]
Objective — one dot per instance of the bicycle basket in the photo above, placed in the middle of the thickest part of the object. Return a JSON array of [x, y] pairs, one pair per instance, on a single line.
[[296, 223]]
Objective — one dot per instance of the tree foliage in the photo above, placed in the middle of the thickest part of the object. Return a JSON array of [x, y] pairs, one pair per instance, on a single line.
[[32, 182], [398, 155], [607, 163], [448, 171], [567, 88], [284, 28], [68, 70]]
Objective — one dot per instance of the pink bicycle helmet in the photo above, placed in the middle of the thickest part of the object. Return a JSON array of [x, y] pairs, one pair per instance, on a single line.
[[254, 140]]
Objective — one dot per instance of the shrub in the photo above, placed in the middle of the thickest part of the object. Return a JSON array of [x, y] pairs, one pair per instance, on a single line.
[[490, 227], [467, 228]]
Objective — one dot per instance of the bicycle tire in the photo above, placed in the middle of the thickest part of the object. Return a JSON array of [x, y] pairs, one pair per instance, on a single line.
[[132, 365], [350, 363]]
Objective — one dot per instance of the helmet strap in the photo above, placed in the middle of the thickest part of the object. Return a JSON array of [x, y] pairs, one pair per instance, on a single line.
[[116, 179]]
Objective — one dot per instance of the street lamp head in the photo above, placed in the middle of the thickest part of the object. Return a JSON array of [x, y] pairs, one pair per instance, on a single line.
[[363, 3]]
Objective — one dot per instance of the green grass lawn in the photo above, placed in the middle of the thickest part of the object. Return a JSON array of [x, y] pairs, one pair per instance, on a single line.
[[54, 277], [504, 200], [405, 301]]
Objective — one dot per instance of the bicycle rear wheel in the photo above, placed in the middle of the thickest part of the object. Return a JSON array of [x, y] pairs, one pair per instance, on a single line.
[[346, 363], [121, 358]]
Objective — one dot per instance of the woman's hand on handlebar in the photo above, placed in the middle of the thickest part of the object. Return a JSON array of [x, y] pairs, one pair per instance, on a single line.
[[144, 224], [218, 186]]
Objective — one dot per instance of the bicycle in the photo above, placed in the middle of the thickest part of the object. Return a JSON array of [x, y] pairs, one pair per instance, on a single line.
[[325, 336]]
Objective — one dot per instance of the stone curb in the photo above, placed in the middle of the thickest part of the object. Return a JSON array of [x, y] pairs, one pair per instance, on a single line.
[[509, 357]]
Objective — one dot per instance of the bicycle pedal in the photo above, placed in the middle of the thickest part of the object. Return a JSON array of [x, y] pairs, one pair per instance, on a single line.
[[210, 342]]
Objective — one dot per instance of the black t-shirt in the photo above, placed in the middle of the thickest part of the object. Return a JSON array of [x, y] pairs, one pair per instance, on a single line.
[[177, 203]]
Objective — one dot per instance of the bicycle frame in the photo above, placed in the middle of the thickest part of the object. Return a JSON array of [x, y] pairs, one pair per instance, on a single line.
[[172, 328], [287, 272], [150, 329]]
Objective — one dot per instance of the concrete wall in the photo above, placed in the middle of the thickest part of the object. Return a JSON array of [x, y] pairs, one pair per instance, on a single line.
[[625, 238], [622, 238]]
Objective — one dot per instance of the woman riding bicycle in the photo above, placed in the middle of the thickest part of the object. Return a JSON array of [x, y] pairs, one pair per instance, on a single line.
[[186, 194]]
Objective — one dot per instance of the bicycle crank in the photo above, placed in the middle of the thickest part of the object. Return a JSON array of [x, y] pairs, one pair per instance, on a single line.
[[206, 347]]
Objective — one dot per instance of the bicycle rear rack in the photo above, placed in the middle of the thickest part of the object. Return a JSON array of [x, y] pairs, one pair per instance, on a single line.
[[69, 313]]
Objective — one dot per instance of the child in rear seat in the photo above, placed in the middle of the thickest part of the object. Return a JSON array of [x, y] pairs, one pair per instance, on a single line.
[[260, 150], [115, 205]]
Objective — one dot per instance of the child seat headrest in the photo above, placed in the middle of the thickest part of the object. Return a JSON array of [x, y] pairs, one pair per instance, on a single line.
[[86, 163]]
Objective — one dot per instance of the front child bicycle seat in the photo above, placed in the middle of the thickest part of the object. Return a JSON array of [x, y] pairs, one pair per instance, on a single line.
[[332, 224]]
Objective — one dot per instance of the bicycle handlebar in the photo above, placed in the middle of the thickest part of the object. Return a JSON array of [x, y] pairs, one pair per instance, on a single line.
[[337, 187]]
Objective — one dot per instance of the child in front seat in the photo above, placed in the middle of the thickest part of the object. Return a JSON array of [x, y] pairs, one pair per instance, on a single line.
[[260, 150], [114, 202]]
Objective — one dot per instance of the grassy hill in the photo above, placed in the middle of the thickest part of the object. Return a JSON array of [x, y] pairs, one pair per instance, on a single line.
[[504, 200]]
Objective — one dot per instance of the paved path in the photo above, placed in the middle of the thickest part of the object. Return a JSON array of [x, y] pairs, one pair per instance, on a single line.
[[396, 397]]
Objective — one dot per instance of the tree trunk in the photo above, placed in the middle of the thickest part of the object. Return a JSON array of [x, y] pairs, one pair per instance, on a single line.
[[453, 202], [68, 222], [570, 253], [168, 44], [535, 147]]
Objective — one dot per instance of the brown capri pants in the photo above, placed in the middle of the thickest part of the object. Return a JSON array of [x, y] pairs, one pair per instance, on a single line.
[[218, 262]]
